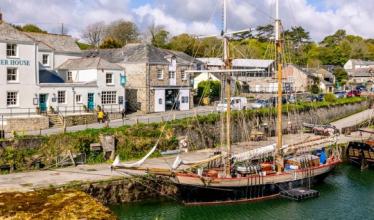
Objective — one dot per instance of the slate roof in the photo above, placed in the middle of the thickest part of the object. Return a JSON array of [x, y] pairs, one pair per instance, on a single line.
[[140, 53], [212, 61], [89, 63], [258, 63], [362, 62], [60, 43], [10, 33], [49, 76]]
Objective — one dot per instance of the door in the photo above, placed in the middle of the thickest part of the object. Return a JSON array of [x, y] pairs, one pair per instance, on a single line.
[[90, 101], [159, 100], [43, 102], [184, 99]]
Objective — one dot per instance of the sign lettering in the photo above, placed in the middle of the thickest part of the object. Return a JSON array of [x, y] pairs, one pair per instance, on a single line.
[[13, 62]]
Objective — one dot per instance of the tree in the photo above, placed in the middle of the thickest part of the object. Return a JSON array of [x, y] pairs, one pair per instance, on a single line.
[[159, 36], [297, 35], [183, 42], [265, 33], [32, 28], [123, 32], [341, 75], [109, 43], [209, 88], [94, 33]]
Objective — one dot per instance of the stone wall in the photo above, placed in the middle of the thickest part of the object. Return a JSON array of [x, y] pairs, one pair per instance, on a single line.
[[208, 134], [130, 189], [72, 120], [26, 123]]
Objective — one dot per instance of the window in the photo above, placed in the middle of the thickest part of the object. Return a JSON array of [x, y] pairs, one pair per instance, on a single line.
[[108, 97], [109, 78], [70, 77], [183, 75], [171, 74], [45, 59], [160, 74], [11, 75], [11, 98], [184, 99], [61, 97], [78, 98], [11, 50]]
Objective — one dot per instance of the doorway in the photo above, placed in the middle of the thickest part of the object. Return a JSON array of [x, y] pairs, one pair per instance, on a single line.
[[91, 101], [43, 102]]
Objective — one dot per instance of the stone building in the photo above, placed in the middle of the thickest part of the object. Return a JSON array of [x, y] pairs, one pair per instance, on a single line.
[[156, 78], [360, 72]]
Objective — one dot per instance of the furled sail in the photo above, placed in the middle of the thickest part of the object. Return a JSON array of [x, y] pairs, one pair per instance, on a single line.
[[117, 163], [178, 161], [255, 153]]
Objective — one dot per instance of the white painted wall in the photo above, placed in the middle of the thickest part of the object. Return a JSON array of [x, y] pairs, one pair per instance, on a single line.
[[159, 100], [26, 85], [50, 57], [184, 94]]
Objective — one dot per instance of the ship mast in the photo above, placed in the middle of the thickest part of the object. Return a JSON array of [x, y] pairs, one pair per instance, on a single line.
[[227, 88], [279, 51]]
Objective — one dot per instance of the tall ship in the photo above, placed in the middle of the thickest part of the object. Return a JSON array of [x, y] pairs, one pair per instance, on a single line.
[[252, 175]]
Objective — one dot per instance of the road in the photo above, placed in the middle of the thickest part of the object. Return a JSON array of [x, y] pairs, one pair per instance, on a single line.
[[129, 120]]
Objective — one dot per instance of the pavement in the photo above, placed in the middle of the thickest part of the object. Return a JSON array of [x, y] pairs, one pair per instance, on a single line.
[[129, 120], [354, 119]]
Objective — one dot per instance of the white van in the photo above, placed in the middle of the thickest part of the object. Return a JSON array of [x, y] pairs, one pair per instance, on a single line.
[[237, 103]]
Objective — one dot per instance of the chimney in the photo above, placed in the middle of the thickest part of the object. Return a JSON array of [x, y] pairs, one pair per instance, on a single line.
[[1, 16]]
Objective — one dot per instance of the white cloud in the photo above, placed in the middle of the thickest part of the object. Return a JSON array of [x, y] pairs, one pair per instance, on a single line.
[[196, 16]]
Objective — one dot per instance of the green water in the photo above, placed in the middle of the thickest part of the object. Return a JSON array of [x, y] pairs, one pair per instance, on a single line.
[[347, 193]]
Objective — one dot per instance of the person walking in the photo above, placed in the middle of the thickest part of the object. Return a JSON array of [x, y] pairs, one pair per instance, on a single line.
[[100, 116]]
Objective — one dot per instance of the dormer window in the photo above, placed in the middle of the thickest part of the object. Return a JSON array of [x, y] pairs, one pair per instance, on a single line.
[[45, 59], [11, 50]]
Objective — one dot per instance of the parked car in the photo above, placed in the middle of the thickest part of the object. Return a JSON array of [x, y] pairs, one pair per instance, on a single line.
[[340, 94], [361, 88], [237, 103], [353, 93], [313, 98], [260, 103]]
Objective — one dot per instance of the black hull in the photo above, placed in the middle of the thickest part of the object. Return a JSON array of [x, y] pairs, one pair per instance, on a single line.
[[196, 195]]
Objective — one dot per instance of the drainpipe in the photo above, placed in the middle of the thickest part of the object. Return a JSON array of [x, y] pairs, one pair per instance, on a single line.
[[148, 72]]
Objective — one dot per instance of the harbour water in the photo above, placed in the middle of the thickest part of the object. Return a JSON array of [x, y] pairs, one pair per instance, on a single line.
[[347, 193]]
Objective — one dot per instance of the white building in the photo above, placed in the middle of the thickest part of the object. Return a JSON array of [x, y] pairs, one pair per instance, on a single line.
[[40, 72], [360, 72]]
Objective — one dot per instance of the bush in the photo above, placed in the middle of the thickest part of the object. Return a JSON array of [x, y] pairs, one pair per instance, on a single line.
[[329, 97], [209, 89]]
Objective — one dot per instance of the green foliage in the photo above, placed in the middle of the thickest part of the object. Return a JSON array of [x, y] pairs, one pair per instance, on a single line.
[[84, 46], [123, 32], [314, 89], [341, 75], [159, 38], [209, 88], [329, 97], [110, 43], [32, 28]]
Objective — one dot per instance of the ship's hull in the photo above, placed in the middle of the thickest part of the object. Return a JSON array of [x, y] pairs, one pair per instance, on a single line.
[[235, 190]]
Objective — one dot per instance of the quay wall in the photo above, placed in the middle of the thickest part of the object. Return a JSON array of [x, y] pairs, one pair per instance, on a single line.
[[208, 134]]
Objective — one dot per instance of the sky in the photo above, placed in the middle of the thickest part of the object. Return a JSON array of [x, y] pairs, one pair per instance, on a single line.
[[200, 17]]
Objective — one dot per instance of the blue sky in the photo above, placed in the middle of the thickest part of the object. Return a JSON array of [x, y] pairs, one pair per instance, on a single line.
[[319, 17]]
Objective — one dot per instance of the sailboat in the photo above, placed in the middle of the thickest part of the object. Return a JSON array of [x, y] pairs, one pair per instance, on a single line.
[[257, 174]]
